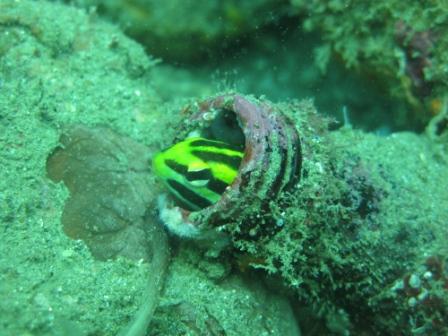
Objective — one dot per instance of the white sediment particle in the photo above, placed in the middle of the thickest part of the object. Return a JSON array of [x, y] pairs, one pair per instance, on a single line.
[[412, 302], [208, 116], [173, 220], [427, 275], [399, 285], [280, 222], [423, 295], [414, 281]]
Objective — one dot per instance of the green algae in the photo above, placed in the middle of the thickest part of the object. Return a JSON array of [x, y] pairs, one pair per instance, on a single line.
[[367, 212], [364, 215]]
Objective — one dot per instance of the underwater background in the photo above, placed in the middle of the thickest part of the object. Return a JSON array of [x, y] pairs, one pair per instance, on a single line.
[[333, 221]]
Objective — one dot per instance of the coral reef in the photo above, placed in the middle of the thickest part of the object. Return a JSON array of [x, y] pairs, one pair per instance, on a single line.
[[358, 243], [349, 229], [400, 44]]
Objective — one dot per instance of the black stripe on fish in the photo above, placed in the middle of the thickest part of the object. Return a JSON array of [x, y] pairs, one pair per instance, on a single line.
[[210, 143], [189, 195], [202, 175], [217, 186], [180, 202], [177, 167], [232, 161]]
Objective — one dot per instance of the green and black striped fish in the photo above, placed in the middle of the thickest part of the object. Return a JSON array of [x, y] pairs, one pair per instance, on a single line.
[[197, 171]]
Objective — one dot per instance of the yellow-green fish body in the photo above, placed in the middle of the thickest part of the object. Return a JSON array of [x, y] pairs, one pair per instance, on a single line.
[[197, 171]]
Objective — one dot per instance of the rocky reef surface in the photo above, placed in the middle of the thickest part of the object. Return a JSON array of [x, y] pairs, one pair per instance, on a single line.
[[357, 245]]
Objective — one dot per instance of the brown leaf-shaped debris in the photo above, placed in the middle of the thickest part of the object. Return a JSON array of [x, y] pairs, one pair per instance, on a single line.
[[109, 183]]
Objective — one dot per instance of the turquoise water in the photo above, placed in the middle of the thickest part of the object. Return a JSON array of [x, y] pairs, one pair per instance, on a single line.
[[335, 223]]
